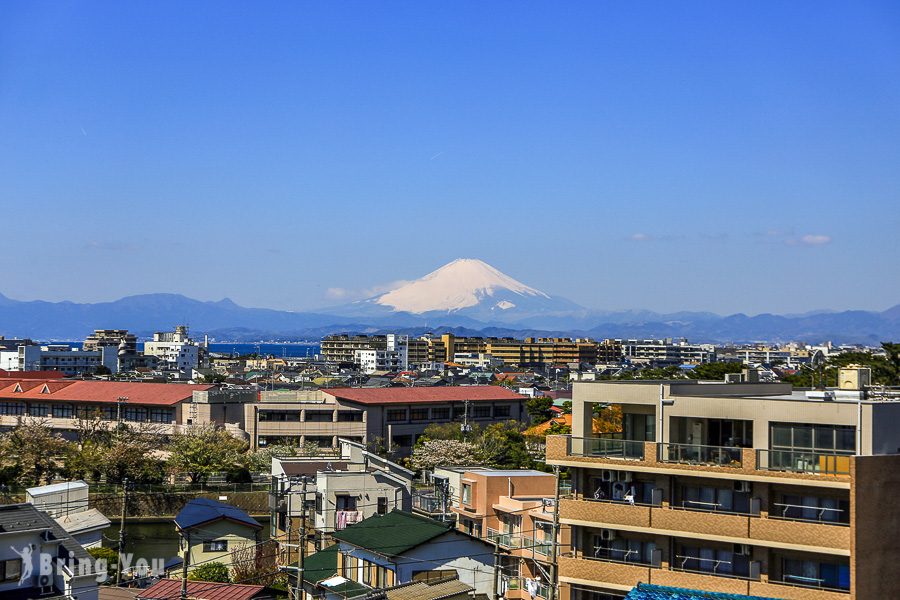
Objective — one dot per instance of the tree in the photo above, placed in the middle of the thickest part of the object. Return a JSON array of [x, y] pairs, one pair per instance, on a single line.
[[433, 453], [256, 563], [115, 451], [31, 451], [203, 450], [503, 445], [538, 408], [211, 571], [715, 371]]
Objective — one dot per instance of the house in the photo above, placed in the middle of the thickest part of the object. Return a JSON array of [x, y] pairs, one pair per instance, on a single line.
[[341, 490], [398, 548], [38, 558], [170, 589], [67, 504], [212, 531]]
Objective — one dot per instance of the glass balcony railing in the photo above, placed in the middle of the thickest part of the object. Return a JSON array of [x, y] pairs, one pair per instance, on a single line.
[[694, 454], [804, 461], [507, 540], [606, 447]]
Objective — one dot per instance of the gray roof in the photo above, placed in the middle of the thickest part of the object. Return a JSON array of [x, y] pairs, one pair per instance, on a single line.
[[24, 517], [57, 487], [85, 520]]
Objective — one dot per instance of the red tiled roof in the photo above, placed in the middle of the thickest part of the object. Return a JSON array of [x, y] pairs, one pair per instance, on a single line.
[[165, 394], [31, 374], [170, 589], [411, 395]]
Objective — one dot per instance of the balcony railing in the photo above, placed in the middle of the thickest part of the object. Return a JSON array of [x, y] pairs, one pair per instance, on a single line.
[[694, 454], [804, 461], [607, 447], [507, 540], [428, 504]]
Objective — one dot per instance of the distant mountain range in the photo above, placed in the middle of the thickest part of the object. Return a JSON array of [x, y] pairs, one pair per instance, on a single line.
[[466, 296]]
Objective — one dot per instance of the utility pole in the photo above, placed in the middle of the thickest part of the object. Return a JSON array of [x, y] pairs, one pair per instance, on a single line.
[[495, 586], [184, 564], [122, 531], [554, 548], [298, 594]]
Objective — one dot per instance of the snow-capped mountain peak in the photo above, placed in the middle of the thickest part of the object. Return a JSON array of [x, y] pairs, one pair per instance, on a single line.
[[463, 283]]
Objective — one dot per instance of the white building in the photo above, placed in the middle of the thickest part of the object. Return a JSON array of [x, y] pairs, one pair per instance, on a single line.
[[395, 356], [59, 357], [67, 503], [176, 351], [477, 359]]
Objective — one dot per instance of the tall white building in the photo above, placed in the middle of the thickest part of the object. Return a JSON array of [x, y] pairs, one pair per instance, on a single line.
[[395, 356], [175, 350]]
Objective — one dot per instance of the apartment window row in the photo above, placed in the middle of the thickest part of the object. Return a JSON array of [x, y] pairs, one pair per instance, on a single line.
[[70, 411], [624, 550], [824, 438]]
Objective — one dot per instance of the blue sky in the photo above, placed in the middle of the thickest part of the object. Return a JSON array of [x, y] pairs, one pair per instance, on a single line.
[[733, 157]]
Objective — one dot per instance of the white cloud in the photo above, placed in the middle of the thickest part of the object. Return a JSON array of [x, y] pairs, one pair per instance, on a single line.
[[815, 239], [349, 295], [639, 237]]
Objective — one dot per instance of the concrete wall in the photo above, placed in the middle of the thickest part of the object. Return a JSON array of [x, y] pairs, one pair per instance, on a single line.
[[875, 519]]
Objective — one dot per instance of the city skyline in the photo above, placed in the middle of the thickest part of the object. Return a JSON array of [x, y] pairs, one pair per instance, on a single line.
[[620, 157]]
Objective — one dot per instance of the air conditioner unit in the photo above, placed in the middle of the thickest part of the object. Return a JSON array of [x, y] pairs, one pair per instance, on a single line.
[[607, 535], [742, 486], [742, 550], [608, 475], [625, 476]]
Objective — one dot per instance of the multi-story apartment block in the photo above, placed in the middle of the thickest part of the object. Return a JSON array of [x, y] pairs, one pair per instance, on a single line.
[[747, 488], [119, 338], [61, 358], [515, 508], [394, 357], [175, 350], [667, 352]]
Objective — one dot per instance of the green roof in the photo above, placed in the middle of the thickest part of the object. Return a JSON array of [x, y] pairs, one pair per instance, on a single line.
[[393, 533], [323, 565]]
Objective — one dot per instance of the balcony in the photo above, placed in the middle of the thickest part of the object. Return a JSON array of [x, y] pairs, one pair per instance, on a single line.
[[506, 540], [429, 504], [619, 574], [694, 454], [801, 461], [614, 513], [610, 446], [790, 591]]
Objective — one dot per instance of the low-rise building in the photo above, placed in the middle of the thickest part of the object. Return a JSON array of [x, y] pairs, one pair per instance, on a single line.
[[39, 559], [67, 504], [211, 531]]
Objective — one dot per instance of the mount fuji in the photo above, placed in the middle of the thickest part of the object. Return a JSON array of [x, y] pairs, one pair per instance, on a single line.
[[462, 292]]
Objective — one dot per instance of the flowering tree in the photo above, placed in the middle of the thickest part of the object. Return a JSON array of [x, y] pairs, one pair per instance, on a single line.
[[451, 453]]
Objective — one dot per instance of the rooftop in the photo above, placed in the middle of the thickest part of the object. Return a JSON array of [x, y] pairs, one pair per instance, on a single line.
[[165, 394], [203, 510], [167, 589], [646, 591], [407, 395], [407, 531]]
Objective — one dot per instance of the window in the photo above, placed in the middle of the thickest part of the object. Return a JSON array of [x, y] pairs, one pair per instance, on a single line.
[[418, 414], [482, 412], [817, 574], [715, 499], [827, 438], [12, 408], [215, 546], [346, 416], [318, 416], [63, 411], [135, 413], [39, 410], [502, 411], [396, 414], [318, 503], [10, 570], [367, 572], [467, 493], [279, 415], [812, 508], [624, 550], [161, 415], [382, 505], [440, 414], [403, 441]]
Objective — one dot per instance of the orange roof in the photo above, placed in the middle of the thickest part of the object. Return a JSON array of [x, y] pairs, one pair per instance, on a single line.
[[201, 590], [414, 395], [165, 394], [31, 374], [566, 419]]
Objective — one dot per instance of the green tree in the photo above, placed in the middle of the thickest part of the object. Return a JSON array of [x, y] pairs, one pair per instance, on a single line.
[[211, 571], [714, 371], [538, 408], [203, 450], [503, 445], [31, 452]]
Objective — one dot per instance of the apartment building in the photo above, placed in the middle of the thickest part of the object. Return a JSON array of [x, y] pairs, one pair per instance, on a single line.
[[744, 488], [119, 338], [176, 351], [667, 352], [166, 406], [515, 508], [396, 417]]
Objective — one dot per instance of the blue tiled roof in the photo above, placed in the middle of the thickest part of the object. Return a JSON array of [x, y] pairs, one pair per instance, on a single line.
[[647, 591], [203, 510]]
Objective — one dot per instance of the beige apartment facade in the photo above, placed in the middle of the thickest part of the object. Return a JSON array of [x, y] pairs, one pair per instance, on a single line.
[[745, 488]]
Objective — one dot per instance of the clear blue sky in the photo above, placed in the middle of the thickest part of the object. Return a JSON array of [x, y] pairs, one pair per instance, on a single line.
[[663, 155]]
